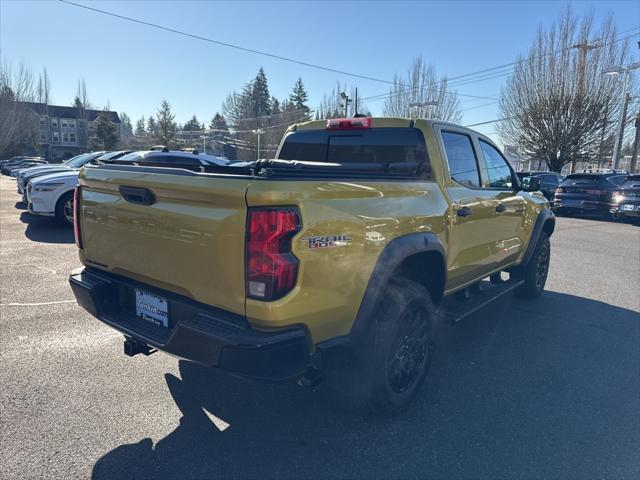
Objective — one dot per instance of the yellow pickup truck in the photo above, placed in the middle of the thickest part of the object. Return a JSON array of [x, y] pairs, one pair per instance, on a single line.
[[349, 240]]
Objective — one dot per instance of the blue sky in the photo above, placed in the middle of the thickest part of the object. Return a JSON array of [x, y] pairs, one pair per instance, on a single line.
[[134, 66]]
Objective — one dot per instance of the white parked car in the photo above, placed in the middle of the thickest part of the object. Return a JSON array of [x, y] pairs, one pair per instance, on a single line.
[[52, 195]]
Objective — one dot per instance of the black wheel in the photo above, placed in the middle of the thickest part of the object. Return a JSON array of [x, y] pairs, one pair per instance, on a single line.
[[535, 272], [64, 209], [397, 352]]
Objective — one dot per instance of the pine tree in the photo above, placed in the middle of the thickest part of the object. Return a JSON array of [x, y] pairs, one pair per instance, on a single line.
[[298, 98], [126, 127], [260, 98], [275, 106], [166, 124], [140, 130], [192, 125], [105, 133], [152, 128], [220, 130]]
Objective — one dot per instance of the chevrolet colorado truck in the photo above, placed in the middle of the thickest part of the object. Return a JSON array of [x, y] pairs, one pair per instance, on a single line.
[[354, 239]]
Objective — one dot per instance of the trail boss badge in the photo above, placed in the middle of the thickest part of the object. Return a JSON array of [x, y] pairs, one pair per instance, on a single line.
[[327, 241]]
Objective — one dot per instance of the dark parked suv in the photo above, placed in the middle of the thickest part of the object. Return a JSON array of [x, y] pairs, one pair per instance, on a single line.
[[587, 193], [549, 181], [626, 199]]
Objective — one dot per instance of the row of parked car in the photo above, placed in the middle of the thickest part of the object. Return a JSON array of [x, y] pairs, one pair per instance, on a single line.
[[607, 193], [47, 189]]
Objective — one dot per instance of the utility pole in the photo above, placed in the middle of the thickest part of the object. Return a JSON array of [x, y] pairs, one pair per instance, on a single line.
[[347, 101], [626, 71], [355, 105], [583, 47], [604, 131], [636, 145]]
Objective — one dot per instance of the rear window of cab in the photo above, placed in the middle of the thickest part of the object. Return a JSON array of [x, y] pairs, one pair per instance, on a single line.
[[375, 145]]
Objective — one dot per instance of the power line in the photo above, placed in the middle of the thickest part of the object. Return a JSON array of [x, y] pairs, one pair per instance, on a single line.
[[495, 70], [226, 44]]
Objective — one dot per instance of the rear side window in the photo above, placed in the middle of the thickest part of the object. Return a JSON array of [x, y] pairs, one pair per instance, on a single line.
[[632, 181], [618, 179], [371, 146], [575, 177], [461, 157]]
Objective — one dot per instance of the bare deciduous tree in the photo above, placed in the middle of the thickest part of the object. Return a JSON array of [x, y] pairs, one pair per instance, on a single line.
[[16, 124], [422, 86], [558, 105]]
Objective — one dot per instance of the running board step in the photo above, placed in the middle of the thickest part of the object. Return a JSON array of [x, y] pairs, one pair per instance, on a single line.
[[455, 310]]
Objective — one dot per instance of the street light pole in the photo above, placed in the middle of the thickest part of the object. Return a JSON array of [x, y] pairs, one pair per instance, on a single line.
[[258, 132], [204, 144]]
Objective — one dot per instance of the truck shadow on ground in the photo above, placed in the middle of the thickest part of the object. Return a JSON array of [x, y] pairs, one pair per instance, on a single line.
[[521, 389], [46, 229]]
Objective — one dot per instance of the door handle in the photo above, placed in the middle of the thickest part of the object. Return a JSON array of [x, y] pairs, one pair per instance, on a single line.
[[464, 212], [500, 208]]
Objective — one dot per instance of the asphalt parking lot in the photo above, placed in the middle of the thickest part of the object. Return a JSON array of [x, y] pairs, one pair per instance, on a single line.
[[542, 389]]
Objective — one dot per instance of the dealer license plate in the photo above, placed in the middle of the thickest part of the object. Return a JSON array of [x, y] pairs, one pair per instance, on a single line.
[[152, 308]]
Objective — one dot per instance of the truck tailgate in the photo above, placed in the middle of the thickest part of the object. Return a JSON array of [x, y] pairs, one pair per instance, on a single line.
[[173, 229]]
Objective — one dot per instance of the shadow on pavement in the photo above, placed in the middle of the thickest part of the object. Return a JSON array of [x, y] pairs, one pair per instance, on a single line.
[[21, 205], [46, 229], [547, 388]]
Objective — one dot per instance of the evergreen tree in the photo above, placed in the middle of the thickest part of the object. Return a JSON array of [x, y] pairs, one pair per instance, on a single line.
[[140, 130], [220, 130], [275, 106], [125, 127], [192, 125], [152, 128], [260, 98], [299, 97], [105, 133], [166, 124]]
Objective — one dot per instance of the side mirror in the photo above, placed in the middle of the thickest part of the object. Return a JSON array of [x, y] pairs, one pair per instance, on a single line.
[[531, 184]]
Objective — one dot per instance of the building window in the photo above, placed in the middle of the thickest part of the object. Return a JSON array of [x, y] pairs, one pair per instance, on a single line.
[[43, 135], [68, 123], [43, 119], [54, 122], [56, 137], [72, 137]]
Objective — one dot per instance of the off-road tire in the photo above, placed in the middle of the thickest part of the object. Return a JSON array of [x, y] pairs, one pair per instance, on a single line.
[[535, 272], [62, 205], [397, 351]]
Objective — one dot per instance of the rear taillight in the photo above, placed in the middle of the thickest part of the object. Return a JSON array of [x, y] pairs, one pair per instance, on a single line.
[[77, 194], [271, 267], [357, 123]]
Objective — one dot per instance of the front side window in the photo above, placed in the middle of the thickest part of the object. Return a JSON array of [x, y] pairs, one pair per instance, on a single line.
[[496, 170], [461, 157]]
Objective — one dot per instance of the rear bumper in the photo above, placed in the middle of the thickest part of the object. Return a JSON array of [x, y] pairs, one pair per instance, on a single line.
[[196, 332], [580, 204], [626, 209]]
